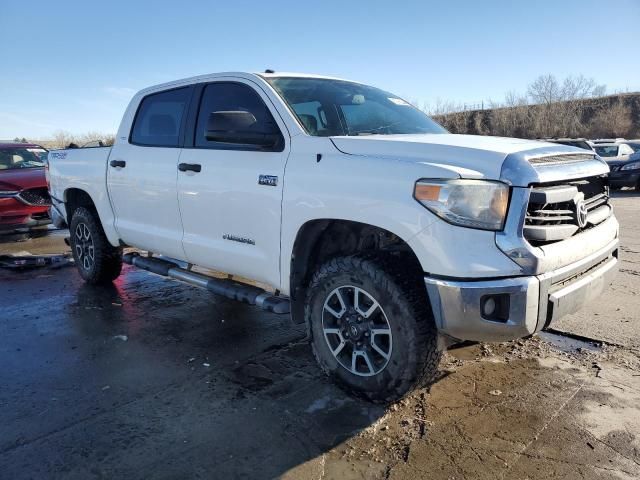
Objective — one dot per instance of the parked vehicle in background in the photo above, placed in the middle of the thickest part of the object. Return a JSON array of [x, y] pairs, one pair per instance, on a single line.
[[613, 151], [607, 140], [369, 222], [625, 169], [634, 144], [24, 197], [572, 142]]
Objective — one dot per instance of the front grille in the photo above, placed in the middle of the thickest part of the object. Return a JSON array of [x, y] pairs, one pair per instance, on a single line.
[[559, 211], [35, 196]]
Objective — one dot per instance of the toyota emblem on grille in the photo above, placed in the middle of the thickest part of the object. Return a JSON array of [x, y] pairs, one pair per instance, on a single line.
[[581, 213]]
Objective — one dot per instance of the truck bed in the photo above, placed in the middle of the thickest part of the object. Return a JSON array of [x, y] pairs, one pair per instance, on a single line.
[[84, 169]]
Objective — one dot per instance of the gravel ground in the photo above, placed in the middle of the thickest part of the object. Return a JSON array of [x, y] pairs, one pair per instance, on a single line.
[[152, 378]]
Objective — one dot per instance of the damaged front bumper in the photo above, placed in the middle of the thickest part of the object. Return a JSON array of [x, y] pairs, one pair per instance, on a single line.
[[522, 305]]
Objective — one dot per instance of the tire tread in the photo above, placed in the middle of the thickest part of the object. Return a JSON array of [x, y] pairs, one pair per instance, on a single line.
[[398, 277], [108, 259]]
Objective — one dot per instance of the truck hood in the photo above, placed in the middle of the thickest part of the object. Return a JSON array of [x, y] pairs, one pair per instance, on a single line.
[[22, 178], [474, 156]]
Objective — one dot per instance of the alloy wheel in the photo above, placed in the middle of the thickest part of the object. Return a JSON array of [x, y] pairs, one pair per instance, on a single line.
[[83, 243], [357, 330]]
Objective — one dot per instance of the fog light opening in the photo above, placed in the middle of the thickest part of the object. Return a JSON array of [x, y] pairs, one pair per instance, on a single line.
[[488, 307], [495, 307]]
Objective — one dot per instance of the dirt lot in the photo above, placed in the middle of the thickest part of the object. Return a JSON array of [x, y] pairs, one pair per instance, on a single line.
[[155, 379]]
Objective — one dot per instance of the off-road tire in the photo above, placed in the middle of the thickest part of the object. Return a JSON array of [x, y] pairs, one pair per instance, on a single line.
[[106, 264], [398, 288]]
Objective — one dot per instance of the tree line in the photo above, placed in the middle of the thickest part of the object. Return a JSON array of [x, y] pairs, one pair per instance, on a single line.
[[574, 107]]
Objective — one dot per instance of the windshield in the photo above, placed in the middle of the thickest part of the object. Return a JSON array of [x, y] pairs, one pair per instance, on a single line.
[[327, 107], [22, 157], [607, 150]]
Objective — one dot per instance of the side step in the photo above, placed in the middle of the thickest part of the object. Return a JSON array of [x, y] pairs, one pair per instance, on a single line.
[[227, 288]]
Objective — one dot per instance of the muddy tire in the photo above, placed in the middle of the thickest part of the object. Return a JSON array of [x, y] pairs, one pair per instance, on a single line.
[[97, 260], [372, 329]]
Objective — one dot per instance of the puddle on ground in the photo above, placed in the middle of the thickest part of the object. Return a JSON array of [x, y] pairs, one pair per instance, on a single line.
[[568, 344], [464, 351]]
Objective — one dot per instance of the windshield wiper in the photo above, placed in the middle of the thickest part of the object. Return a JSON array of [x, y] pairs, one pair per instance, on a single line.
[[375, 131]]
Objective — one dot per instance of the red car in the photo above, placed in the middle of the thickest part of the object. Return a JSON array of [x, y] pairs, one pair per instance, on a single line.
[[24, 196]]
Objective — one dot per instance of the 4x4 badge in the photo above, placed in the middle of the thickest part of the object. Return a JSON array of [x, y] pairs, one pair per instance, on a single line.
[[270, 180]]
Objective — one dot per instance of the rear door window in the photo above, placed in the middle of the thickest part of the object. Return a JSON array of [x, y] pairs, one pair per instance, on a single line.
[[159, 119]]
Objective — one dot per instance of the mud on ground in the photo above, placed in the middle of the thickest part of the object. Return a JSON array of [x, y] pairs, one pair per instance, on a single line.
[[514, 410]]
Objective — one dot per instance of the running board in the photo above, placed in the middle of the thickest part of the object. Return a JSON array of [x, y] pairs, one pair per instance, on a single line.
[[227, 288]]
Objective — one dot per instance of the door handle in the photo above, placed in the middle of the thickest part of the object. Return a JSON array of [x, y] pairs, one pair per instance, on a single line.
[[189, 167], [118, 163]]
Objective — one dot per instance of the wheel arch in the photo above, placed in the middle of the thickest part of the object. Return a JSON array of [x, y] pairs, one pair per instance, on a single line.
[[75, 197], [319, 240]]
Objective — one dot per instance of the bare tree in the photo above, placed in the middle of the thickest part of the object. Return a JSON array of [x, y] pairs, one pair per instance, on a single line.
[[613, 121], [574, 106], [544, 90], [62, 139], [579, 87]]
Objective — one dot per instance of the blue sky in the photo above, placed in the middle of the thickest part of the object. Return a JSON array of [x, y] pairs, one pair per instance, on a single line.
[[73, 65]]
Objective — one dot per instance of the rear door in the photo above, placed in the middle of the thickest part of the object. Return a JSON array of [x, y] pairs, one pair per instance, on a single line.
[[231, 207], [142, 174]]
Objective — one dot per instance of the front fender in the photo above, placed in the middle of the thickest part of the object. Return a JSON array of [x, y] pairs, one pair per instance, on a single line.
[[379, 192]]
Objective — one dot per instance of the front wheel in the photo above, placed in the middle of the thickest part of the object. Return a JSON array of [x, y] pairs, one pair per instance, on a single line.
[[97, 260], [372, 327]]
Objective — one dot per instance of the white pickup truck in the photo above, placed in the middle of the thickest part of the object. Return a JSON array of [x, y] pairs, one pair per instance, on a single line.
[[358, 214]]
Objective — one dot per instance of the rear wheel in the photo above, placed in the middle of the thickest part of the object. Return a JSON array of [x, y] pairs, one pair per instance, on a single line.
[[97, 260], [372, 327]]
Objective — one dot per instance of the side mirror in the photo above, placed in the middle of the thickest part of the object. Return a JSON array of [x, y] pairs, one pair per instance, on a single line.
[[238, 127]]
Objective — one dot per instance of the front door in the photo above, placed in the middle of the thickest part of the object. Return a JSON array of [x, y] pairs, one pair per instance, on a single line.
[[230, 194]]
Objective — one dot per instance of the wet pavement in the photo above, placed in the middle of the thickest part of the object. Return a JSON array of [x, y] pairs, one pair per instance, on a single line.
[[151, 378], [156, 379]]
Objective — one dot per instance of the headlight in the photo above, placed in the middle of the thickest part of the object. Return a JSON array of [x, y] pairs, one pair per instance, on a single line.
[[631, 166], [469, 203], [7, 193]]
